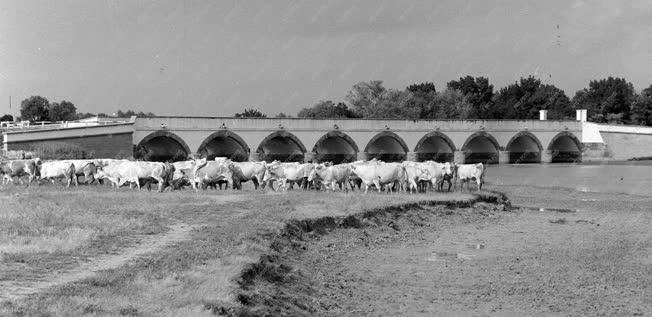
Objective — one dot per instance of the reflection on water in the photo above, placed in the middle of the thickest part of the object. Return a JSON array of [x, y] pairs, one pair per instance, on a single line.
[[629, 179]]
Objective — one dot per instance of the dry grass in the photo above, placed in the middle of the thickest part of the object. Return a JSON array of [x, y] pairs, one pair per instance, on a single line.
[[49, 228]]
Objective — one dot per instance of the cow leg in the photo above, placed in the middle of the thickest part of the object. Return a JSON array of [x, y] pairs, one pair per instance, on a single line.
[[377, 183], [161, 183]]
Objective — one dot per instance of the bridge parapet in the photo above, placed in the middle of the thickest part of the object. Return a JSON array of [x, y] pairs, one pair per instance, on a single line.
[[298, 124]]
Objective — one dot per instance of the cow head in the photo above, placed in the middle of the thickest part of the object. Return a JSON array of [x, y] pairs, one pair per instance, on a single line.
[[448, 170], [423, 174], [313, 171]]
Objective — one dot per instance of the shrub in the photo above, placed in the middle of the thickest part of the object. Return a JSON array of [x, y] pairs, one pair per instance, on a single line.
[[61, 151]]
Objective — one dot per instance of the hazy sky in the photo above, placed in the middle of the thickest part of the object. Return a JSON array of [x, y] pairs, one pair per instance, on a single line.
[[212, 58]]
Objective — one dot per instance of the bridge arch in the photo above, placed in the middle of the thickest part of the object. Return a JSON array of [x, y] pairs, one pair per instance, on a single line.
[[435, 146], [283, 146], [387, 146], [481, 147], [162, 146], [224, 143], [565, 147], [524, 147], [335, 146]]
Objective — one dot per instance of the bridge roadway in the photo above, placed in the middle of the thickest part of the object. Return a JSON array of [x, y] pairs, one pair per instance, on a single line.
[[299, 139]]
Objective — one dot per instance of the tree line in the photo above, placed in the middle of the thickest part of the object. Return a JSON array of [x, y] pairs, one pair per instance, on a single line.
[[37, 108], [608, 100]]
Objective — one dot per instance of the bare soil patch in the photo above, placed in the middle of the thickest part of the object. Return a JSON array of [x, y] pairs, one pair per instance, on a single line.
[[468, 261]]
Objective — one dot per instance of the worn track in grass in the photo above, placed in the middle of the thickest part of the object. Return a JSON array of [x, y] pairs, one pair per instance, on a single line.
[[141, 244]]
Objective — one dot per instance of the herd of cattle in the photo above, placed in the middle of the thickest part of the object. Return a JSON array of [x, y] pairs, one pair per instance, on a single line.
[[202, 173]]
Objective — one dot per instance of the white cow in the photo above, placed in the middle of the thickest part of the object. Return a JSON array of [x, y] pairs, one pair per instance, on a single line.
[[331, 175], [133, 171], [183, 172], [58, 169], [252, 171], [211, 172], [469, 172], [86, 168], [379, 173], [438, 172], [288, 172], [415, 171], [19, 168]]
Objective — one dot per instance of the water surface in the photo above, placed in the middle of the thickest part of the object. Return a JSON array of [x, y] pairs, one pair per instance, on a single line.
[[626, 179]]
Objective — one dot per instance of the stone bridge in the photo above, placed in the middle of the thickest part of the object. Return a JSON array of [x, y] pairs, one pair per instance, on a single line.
[[341, 140]]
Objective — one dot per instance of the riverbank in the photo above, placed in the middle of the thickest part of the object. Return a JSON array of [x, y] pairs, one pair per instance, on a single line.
[[590, 258]]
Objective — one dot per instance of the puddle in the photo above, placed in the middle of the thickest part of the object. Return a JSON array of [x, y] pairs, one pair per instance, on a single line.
[[561, 210], [462, 256], [443, 256]]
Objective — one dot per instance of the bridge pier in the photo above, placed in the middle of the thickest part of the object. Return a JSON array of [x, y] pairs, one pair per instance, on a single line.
[[459, 157], [546, 156], [503, 157], [412, 156], [308, 157], [253, 156], [362, 156]]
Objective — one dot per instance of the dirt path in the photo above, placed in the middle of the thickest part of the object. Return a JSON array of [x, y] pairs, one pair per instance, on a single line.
[[143, 244]]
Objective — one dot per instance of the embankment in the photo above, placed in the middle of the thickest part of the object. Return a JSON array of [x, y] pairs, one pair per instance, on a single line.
[[278, 283]]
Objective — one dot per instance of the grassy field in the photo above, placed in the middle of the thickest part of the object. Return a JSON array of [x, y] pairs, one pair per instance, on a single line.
[[98, 251], [49, 235]]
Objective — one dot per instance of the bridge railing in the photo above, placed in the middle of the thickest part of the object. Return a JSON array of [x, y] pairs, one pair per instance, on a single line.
[[11, 126]]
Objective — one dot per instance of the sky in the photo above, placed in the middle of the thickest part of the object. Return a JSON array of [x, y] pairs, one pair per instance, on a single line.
[[214, 58]]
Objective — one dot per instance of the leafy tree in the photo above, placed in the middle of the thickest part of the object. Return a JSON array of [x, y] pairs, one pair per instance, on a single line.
[[129, 113], [642, 108], [125, 114], [423, 98], [424, 88], [34, 108], [394, 104], [478, 92], [63, 111], [647, 92], [606, 99], [7, 117], [250, 113], [364, 97], [282, 115], [327, 109], [524, 99], [452, 104]]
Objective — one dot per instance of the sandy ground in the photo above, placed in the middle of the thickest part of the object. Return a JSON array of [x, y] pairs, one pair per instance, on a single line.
[[595, 260]]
